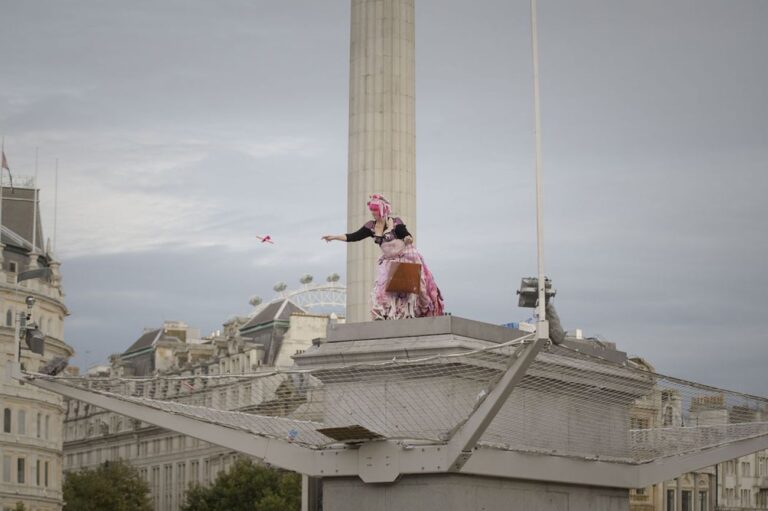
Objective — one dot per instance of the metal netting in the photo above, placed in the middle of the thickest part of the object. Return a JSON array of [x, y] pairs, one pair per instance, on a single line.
[[574, 404], [423, 399], [569, 403]]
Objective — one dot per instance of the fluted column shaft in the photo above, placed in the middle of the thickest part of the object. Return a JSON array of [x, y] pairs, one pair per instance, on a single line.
[[382, 131]]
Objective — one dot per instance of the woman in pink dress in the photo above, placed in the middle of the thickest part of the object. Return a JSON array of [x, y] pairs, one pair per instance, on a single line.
[[396, 244]]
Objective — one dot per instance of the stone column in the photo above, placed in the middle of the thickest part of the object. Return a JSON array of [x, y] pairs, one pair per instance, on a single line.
[[679, 494], [712, 491], [382, 131]]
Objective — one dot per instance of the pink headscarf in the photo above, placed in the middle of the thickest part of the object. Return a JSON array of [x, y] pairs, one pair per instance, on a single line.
[[379, 206]]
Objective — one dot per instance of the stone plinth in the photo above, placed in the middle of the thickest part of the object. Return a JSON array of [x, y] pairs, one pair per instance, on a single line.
[[376, 341], [565, 405], [453, 492]]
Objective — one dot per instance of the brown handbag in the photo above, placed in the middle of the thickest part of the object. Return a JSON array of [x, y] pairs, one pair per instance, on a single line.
[[404, 278]]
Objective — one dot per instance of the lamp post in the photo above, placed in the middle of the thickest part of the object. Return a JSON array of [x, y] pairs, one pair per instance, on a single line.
[[24, 325], [21, 324]]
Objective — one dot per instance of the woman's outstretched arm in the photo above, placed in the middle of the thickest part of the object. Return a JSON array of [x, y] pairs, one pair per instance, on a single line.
[[360, 234]]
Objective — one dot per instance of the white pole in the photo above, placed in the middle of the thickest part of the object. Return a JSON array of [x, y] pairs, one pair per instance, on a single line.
[[55, 203], [17, 339], [17, 326], [34, 208], [542, 327], [2, 173]]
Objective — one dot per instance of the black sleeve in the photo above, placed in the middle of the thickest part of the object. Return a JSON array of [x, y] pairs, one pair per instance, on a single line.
[[401, 231], [360, 234]]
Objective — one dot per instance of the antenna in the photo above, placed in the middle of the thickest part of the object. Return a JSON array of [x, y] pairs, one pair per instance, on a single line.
[[2, 172], [542, 327], [55, 203], [34, 207]]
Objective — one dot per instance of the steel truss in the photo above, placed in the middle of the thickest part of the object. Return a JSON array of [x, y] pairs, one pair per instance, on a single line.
[[385, 460]]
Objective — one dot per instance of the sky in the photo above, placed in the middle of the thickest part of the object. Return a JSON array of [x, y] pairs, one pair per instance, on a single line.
[[184, 129]]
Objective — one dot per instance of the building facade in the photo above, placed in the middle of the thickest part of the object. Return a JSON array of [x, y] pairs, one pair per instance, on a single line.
[[31, 434], [168, 461]]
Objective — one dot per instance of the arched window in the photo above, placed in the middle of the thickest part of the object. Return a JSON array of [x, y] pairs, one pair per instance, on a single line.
[[7, 420], [9, 318]]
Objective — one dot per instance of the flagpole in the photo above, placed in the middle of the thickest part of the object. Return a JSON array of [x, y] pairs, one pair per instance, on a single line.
[[2, 173], [55, 203], [34, 207]]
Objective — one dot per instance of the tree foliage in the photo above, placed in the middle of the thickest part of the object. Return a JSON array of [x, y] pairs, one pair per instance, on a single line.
[[112, 486], [248, 487]]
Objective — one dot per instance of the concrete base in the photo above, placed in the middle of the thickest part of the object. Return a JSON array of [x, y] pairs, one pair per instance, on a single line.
[[455, 492]]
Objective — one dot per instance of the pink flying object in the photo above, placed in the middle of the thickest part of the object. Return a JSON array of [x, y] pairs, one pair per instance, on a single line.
[[265, 239]]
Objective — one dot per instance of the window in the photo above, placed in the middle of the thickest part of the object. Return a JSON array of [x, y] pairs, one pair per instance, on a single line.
[[13, 266], [22, 422], [746, 497], [39, 424], [195, 472], [687, 500], [168, 485], [181, 480], [46, 474], [37, 473], [703, 501], [7, 420], [47, 426], [20, 470], [670, 499], [6, 469], [156, 485], [9, 318]]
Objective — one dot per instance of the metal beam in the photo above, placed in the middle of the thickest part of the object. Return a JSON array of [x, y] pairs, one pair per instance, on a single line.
[[384, 461], [280, 453], [672, 466], [464, 440], [492, 462]]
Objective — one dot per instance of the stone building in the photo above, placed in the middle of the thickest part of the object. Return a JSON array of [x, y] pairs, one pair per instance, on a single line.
[[170, 462], [31, 434], [743, 482]]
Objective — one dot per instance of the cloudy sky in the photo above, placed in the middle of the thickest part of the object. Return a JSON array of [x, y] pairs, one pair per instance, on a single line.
[[185, 128]]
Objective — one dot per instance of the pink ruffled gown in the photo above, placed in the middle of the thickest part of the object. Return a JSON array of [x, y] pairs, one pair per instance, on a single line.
[[384, 305]]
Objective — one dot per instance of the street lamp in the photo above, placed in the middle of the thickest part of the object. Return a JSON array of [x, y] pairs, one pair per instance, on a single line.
[[530, 293], [34, 338], [32, 335]]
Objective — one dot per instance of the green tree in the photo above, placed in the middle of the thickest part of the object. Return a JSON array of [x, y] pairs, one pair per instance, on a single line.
[[20, 507], [112, 486], [247, 487]]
